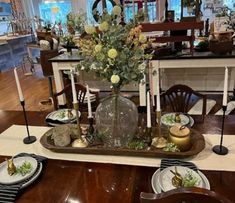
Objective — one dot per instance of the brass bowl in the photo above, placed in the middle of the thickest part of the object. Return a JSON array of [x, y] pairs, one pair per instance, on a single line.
[[180, 136]]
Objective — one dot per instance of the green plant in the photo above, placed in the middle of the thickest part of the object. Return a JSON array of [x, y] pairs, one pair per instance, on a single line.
[[68, 40], [230, 17], [189, 180], [76, 22], [114, 51], [25, 168]]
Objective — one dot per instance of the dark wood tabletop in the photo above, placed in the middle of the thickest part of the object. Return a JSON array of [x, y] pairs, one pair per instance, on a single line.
[[68, 181]]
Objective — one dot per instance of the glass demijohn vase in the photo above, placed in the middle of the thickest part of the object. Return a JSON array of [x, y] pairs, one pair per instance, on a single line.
[[116, 120]]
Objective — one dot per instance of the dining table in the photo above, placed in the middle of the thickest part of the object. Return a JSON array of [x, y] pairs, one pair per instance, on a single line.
[[91, 182]]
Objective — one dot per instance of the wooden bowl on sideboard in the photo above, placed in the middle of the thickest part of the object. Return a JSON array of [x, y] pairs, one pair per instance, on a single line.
[[222, 47]]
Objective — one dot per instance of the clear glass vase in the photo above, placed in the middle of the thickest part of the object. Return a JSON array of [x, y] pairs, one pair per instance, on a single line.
[[116, 120]]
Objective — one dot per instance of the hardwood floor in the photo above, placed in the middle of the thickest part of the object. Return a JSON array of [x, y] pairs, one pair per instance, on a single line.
[[34, 87]]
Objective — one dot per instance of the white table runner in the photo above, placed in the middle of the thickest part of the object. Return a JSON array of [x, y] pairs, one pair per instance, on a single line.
[[11, 143]]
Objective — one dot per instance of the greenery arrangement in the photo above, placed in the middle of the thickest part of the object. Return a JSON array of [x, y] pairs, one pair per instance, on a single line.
[[76, 22], [114, 51], [68, 40], [189, 180], [24, 169], [171, 147], [230, 16]]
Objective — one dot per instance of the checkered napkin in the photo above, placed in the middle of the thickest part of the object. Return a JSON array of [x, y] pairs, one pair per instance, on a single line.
[[8, 193], [175, 162]]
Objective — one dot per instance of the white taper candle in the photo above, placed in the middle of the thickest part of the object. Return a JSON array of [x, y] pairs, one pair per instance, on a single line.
[[142, 92], [225, 94], [148, 111], [18, 85], [151, 83], [88, 101], [75, 99], [158, 91]]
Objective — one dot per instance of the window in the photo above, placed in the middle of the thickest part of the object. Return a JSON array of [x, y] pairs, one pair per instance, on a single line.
[[128, 9], [5, 12], [54, 11], [151, 5], [90, 3], [209, 7]]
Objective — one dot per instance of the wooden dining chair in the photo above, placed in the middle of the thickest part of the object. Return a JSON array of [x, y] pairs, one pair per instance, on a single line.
[[47, 70], [81, 94], [181, 98], [184, 195]]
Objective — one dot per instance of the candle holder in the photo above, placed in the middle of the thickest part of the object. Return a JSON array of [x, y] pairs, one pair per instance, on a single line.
[[220, 149], [81, 142], [148, 136], [29, 139], [158, 115], [159, 141], [90, 128]]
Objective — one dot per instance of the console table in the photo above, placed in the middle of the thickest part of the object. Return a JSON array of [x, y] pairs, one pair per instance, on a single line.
[[198, 60]]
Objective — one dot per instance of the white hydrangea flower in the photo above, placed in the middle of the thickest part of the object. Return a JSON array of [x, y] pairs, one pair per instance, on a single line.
[[115, 79]]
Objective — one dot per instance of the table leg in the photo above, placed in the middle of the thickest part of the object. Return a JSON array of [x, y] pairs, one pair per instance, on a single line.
[[59, 84]]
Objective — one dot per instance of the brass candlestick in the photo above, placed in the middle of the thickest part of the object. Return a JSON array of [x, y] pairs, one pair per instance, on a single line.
[[91, 128], [80, 142], [159, 141], [76, 107], [148, 136]]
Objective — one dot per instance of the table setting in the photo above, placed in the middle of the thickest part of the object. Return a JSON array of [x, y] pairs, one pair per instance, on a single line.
[[61, 116], [17, 173], [174, 174]]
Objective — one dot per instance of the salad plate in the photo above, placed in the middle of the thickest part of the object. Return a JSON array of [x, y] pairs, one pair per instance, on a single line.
[[5, 178], [169, 119], [155, 181]]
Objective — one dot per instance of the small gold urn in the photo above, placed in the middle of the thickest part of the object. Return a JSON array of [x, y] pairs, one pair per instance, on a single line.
[[180, 136]]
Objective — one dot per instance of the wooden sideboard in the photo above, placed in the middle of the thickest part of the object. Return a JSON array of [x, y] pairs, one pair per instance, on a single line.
[[174, 26]]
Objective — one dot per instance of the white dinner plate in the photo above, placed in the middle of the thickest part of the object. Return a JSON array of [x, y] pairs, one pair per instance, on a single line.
[[156, 186], [5, 178], [166, 176], [169, 119]]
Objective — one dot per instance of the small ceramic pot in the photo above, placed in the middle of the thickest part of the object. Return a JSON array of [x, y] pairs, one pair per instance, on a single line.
[[180, 136]]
